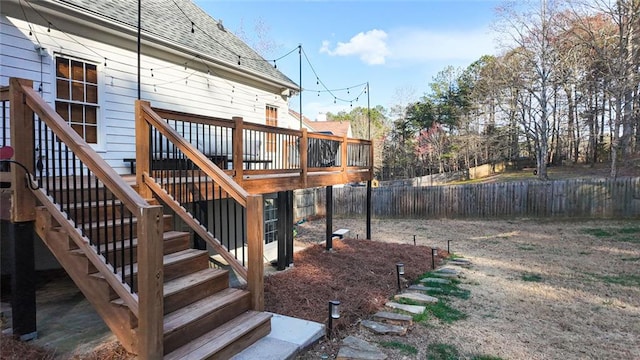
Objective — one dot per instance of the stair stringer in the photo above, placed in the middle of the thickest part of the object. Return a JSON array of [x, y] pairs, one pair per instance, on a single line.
[[119, 319]]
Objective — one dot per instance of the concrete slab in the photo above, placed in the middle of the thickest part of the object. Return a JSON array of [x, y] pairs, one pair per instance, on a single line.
[[287, 338]]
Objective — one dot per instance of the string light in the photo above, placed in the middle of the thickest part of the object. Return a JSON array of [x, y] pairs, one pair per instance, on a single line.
[[49, 28], [151, 72], [105, 62], [193, 30]]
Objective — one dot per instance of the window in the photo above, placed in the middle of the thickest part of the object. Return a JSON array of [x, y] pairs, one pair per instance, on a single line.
[[272, 120], [77, 96]]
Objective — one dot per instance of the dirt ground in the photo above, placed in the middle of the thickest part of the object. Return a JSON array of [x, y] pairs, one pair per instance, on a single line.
[[539, 289]]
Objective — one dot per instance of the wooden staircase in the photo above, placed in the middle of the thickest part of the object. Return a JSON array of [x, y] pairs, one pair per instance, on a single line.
[[203, 317]]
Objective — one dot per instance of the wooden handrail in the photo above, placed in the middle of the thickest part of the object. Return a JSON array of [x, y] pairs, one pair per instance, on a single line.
[[198, 158], [195, 118], [114, 182]]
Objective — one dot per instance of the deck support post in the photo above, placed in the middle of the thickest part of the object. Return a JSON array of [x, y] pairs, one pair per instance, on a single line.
[[23, 284], [329, 217], [369, 209], [285, 234], [23, 213]]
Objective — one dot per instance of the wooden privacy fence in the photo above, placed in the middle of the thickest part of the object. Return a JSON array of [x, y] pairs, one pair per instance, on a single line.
[[578, 198]]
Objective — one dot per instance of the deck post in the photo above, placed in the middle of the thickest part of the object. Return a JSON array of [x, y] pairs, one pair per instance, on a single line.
[[23, 206], [150, 283], [282, 231], [369, 209], [238, 150], [255, 244], [343, 158], [288, 224], [143, 148], [23, 213], [329, 217]]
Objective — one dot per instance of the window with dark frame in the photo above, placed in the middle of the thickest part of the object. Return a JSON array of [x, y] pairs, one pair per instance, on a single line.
[[77, 96], [272, 120]]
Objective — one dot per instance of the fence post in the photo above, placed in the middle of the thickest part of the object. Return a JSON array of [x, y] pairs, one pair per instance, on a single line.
[[255, 245], [150, 283], [143, 149]]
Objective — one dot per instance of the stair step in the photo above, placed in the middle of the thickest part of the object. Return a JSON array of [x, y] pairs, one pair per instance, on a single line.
[[96, 229], [176, 264], [190, 288], [226, 340], [202, 316], [172, 241]]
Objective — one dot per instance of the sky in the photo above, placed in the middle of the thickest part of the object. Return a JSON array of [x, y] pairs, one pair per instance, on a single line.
[[397, 47]]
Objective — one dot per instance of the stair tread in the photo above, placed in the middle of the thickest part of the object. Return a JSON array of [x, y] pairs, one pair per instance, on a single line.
[[126, 221], [179, 284], [166, 260], [166, 236], [217, 339], [200, 308]]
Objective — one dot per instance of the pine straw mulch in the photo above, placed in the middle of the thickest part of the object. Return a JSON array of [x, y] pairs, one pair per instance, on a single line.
[[361, 274]]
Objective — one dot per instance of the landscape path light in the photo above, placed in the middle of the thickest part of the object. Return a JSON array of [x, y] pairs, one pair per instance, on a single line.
[[449, 247], [399, 272], [434, 254], [334, 313]]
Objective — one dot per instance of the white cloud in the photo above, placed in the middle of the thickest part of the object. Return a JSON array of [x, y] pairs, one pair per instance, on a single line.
[[370, 46], [420, 45], [377, 47]]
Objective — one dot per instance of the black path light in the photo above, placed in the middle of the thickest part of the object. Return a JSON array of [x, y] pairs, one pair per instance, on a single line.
[[449, 247], [434, 254], [334, 313], [399, 272]]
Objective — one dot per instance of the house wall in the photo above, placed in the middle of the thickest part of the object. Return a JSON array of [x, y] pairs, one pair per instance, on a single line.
[[176, 82]]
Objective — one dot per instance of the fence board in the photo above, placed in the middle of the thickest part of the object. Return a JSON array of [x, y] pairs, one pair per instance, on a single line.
[[581, 198]]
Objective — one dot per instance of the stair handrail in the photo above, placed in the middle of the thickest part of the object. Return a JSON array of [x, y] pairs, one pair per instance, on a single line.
[[147, 304], [208, 167]]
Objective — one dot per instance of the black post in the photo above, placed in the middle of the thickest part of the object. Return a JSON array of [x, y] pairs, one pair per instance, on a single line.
[[282, 230], [288, 225], [369, 209], [329, 216], [23, 284]]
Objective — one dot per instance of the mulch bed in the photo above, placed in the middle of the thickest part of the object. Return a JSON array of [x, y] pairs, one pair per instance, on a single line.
[[361, 274]]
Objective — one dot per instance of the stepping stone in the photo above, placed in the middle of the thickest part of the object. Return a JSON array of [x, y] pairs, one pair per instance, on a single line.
[[421, 298], [383, 329], [413, 309], [444, 275], [448, 271], [435, 281], [419, 287], [353, 348], [393, 318]]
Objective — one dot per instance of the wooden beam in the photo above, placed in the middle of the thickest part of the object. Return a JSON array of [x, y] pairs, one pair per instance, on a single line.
[[150, 283], [23, 205], [255, 244]]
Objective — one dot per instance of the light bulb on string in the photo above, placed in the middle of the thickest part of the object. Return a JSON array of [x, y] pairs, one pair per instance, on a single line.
[[238, 59], [193, 27], [49, 28], [275, 66], [334, 100], [155, 89], [105, 62], [317, 81], [318, 92], [151, 72], [347, 90], [185, 66]]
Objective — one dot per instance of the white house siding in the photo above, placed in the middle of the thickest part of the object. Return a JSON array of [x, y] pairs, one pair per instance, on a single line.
[[171, 86]]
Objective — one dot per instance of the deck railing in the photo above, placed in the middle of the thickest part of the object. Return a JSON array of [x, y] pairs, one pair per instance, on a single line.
[[266, 159], [92, 204]]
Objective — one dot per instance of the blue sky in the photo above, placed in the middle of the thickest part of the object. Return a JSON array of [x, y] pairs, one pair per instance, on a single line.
[[396, 46]]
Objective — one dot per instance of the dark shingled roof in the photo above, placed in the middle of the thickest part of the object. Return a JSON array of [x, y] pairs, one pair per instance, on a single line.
[[171, 20]]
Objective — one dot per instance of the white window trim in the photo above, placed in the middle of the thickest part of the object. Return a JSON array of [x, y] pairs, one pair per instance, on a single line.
[[100, 146]]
